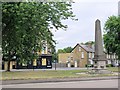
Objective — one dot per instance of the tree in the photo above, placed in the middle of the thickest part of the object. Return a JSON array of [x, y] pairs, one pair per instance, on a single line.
[[90, 43], [112, 35], [68, 49], [26, 25], [64, 50]]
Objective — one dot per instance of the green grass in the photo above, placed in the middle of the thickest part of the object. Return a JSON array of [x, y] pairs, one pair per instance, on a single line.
[[113, 69], [48, 74], [41, 74]]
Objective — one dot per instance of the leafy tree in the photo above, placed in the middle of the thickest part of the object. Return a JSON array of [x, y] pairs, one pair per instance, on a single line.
[[112, 35], [26, 25], [90, 43], [68, 49], [64, 50]]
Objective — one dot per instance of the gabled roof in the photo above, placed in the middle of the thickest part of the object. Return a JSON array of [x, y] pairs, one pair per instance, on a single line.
[[87, 48]]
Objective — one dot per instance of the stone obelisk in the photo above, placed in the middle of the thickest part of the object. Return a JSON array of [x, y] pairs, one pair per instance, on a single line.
[[99, 57]]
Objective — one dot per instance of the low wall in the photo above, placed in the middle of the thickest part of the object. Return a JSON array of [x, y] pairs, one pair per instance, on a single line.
[[58, 65]]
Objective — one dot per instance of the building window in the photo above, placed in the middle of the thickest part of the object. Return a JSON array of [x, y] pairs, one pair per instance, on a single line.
[[92, 55], [43, 61], [49, 62], [107, 56], [79, 48], [82, 55], [114, 56], [89, 55], [24, 64], [117, 57], [43, 50]]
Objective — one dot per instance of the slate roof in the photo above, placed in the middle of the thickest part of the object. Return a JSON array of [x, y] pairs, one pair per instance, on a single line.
[[88, 48]]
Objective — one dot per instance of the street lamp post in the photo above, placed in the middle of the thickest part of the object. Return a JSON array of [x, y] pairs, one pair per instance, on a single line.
[[55, 64]]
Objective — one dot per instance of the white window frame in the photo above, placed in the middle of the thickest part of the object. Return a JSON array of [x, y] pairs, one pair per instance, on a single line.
[[92, 55], [114, 56], [89, 55], [82, 54], [79, 48], [108, 56]]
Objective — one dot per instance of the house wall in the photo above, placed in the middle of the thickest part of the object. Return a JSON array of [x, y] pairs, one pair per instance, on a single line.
[[77, 55], [34, 62], [84, 60], [63, 57], [11, 65]]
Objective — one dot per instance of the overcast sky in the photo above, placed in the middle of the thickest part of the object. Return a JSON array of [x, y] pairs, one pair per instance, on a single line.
[[87, 11]]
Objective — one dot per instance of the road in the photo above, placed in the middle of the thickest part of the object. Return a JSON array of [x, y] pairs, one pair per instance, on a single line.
[[74, 84]]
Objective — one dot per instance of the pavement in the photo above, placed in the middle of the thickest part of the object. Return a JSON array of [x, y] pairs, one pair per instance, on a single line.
[[60, 68], [7, 82]]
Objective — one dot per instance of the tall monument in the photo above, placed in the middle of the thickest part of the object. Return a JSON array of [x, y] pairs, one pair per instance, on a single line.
[[99, 57]]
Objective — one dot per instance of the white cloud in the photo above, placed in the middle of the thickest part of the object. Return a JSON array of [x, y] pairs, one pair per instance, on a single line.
[[83, 29]]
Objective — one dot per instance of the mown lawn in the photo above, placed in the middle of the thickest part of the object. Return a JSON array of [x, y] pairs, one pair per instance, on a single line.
[[48, 74], [41, 74], [114, 69]]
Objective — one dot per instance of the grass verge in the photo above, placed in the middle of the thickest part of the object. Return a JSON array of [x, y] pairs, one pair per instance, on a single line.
[[48, 74]]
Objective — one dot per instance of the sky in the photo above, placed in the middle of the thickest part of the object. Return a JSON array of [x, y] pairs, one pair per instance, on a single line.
[[83, 30]]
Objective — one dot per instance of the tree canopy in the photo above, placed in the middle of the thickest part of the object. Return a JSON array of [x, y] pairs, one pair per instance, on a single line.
[[25, 25], [89, 43], [112, 35], [65, 50]]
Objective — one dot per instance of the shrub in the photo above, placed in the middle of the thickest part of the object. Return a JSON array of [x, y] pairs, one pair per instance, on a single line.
[[109, 65], [102, 66], [89, 65]]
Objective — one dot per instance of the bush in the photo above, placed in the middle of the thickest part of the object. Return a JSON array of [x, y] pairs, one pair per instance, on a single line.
[[102, 66], [109, 65], [89, 65]]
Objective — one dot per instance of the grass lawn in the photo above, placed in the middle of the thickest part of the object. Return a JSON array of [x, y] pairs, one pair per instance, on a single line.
[[114, 69], [41, 74], [48, 74]]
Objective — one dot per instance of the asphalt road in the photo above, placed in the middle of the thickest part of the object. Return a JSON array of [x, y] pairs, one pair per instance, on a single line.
[[75, 84]]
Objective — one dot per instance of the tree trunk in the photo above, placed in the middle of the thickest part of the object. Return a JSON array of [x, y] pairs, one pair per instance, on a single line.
[[8, 66]]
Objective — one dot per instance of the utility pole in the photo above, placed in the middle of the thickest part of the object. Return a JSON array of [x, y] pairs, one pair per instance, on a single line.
[[55, 64]]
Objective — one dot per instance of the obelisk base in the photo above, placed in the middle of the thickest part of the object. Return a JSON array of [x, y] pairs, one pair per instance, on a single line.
[[99, 64], [100, 71], [100, 67]]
